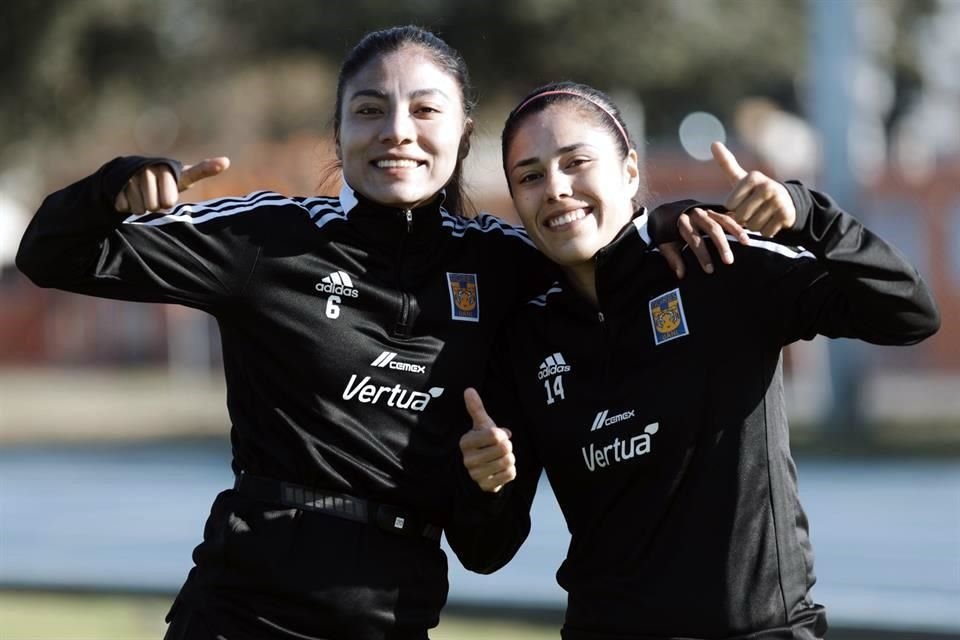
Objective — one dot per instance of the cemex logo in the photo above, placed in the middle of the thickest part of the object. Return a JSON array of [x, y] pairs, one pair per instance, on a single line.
[[386, 360], [602, 420]]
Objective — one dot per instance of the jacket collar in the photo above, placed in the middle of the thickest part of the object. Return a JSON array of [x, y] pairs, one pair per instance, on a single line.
[[620, 266], [349, 199], [389, 223], [633, 237]]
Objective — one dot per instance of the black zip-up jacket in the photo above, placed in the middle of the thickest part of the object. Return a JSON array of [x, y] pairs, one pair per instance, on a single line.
[[349, 329], [659, 418]]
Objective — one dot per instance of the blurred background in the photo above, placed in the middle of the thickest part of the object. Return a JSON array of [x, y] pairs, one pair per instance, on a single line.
[[113, 431]]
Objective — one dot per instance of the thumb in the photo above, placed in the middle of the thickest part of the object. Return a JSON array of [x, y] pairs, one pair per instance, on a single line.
[[481, 420], [208, 168], [728, 162]]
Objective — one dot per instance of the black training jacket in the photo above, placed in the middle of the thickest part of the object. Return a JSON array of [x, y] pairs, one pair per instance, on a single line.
[[659, 418], [349, 329]]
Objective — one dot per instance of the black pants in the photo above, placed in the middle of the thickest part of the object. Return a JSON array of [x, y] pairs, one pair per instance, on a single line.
[[265, 573]]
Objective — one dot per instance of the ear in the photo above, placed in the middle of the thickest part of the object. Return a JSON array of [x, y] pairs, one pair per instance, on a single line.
[[465, 139], [631, 172]]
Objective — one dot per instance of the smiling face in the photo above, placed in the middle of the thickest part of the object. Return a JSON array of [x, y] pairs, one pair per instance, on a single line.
[[402, 122], [571, 185]]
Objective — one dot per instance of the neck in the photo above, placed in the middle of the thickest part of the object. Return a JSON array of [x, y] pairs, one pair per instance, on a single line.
[[583, 277], [350, 196]]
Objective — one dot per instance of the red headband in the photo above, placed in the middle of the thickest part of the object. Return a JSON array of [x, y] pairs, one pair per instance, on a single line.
[[620, 128]]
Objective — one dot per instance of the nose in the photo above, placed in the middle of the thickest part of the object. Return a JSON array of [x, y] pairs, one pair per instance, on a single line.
[[558, 185], [398, 128]]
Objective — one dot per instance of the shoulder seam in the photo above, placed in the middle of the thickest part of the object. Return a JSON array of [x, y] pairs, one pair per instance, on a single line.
[[483, 223], [772, 245], [201, 212]]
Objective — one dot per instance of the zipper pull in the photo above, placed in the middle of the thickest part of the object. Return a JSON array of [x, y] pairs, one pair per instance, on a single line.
[[409, 215], [600, 316]]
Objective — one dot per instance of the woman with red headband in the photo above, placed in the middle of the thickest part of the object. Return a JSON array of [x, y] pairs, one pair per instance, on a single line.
[[656, 406]]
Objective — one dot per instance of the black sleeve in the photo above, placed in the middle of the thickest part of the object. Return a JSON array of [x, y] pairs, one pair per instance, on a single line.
[[77, 241], [487, 529], [858, 286], [662, 225]]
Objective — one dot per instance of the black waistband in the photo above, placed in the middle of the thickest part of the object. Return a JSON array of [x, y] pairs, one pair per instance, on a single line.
[[387, 517]]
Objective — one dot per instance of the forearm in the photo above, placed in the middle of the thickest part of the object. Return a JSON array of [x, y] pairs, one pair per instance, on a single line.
[[880, 296], [64, 240], [486, 529]]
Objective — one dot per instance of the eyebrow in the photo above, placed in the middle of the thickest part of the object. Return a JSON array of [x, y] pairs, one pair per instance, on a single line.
[[382, 95], [561, 151]]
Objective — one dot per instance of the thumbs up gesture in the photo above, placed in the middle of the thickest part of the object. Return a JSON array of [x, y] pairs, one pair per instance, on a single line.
[[756, 201], [154, 187], [486, 448]]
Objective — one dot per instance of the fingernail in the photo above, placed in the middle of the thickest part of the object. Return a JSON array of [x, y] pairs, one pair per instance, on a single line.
[[679, 273], [728, 256], [708, 268]]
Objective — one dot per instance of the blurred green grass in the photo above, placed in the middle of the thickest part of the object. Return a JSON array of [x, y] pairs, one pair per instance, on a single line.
[[57, 616]]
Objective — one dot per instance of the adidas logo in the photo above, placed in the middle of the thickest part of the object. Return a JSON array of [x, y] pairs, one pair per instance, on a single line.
[[602, 420], [386, 361], [338, 283], [552, 365]]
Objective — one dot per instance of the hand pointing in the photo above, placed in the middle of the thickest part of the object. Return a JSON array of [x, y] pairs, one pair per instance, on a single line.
[[756, 201], [486, 448], [154, 188], [728, 163]]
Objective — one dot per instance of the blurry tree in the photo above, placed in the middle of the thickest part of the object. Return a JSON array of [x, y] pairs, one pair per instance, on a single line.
[[904, 61], [64, 64], [676, 54]]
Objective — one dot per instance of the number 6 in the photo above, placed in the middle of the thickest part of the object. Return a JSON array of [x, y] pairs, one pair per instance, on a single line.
[[333, 307]]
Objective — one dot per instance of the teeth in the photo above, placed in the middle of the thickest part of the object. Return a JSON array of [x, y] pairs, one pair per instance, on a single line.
[[566, 218], [397, 164]]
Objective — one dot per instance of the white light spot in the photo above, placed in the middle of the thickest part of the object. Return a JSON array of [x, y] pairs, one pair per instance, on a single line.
[[697, 131]]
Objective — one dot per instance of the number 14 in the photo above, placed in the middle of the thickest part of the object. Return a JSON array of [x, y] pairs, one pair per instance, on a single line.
[[555, 393]]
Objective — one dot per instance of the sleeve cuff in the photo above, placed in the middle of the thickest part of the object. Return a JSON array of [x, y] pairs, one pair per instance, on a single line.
[[662, 224], [115, 174]]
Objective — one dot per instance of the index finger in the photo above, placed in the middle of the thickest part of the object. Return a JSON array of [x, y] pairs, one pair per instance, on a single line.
[[730, 226], [728, 162]]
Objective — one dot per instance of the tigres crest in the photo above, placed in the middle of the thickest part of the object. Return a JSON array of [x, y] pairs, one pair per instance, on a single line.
[[667, 317], [464, 296]]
